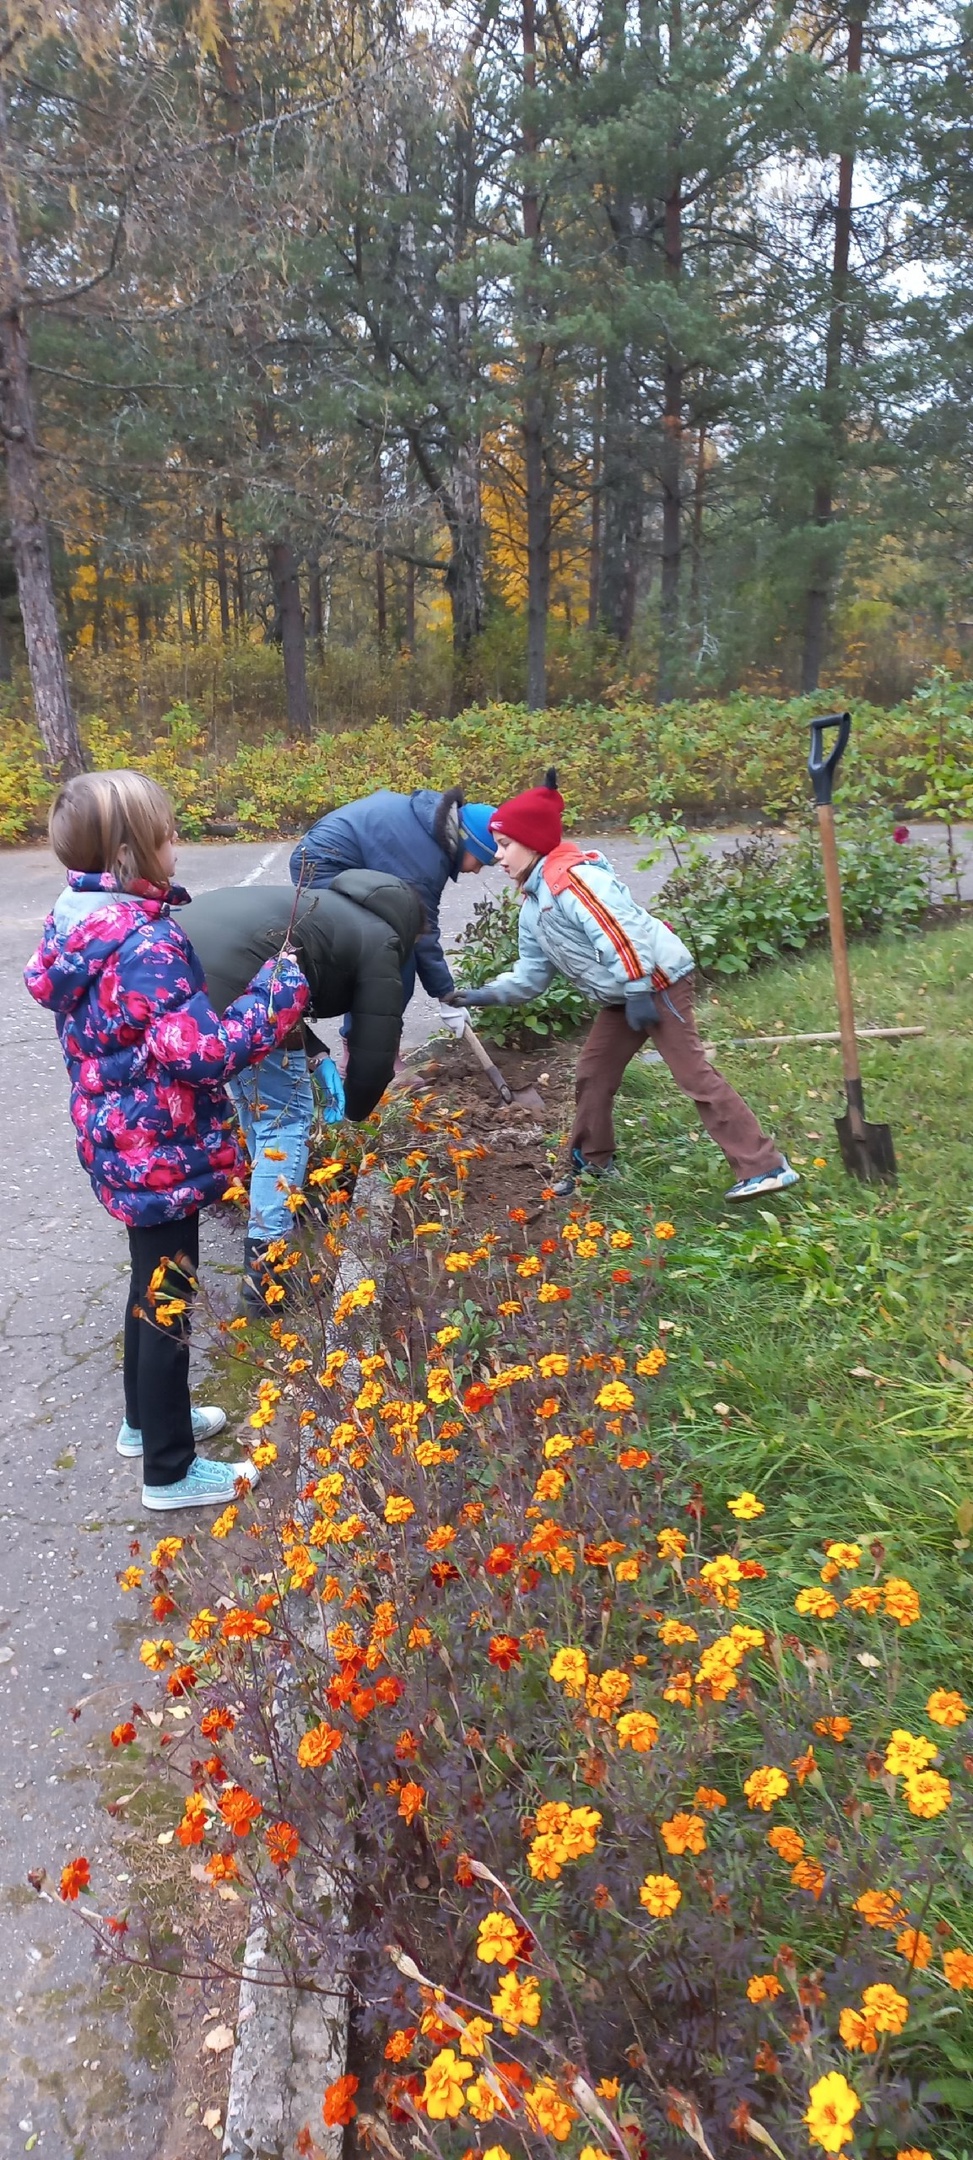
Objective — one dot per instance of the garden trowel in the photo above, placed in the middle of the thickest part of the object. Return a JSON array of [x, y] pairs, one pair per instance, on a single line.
[[866, 1150]]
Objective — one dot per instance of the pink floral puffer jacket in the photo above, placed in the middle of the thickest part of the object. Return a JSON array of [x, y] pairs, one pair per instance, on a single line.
[[146, 1054]]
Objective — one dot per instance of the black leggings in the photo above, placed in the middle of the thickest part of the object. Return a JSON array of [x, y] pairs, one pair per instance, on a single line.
[[156, 1367]]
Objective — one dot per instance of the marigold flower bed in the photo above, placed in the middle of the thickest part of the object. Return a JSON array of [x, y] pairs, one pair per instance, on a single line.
[[643, 1848]]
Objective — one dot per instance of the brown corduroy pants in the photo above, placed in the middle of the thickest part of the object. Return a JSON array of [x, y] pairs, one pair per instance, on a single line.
[[611, 1046]]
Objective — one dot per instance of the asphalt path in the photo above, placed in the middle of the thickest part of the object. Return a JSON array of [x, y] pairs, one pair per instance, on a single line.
[[76, 2082]]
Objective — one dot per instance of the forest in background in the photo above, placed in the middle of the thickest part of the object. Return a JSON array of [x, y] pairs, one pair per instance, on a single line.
[[514, 351]]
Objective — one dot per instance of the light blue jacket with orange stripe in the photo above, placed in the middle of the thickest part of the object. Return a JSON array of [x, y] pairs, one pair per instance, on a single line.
[[578, 919]]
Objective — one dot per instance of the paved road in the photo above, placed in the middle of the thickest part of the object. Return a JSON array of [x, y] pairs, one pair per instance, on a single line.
[[75, 2082]]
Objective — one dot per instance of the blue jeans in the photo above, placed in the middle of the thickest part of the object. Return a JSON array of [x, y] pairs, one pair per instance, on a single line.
[[275, 1104]]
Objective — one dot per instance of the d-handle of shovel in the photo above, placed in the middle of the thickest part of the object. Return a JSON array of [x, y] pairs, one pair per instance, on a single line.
[[823, 768]]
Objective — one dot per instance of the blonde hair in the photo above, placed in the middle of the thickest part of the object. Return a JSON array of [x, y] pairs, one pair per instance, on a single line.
[[115, 821]]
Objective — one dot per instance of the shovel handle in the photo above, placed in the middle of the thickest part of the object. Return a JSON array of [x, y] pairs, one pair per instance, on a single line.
[[487, 1063], [823, 768], [839, 959]]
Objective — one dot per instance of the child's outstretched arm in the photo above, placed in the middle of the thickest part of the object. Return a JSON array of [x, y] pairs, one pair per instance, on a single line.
[[528, 979], [184, 1034]]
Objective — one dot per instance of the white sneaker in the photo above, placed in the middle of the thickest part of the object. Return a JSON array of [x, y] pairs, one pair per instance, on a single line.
[[207, 1422], [752, 1188], [206, 1484]]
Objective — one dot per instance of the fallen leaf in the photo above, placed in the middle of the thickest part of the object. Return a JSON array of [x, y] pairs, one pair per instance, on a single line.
[[165, 1837], [220, 2038], [213, 2120]]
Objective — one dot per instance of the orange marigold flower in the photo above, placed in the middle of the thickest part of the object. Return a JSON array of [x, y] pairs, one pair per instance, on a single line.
[[766, 1785], [400, 2044], [880, 1908], [946, 1707], [500, 1559], [239, 1809], [684, 1833], [411, 1801], [338, 2106], [75, 1878], [913, 2152], [156, 1655], [504, 1651], [665, 1230], [958, 1968], [651, 1363], [926, 1794], [833, 1728], [901, 1601], [192, 1828], [915, 1947], [317, 1747], [547, 2109], [819, 1603], [672, 1544], [673, 1632], [606, 1692], [804, 1765], [123, 1735], [787, 1843], [282, 1842], [660, 1894], [856, 2032], [809, 1875], [398, 1509], [708, 1796], [639, 1730], [764, 1987], [241, 1626], [633, 1458], [885, 2008], [216, 1721], [222, 1867]]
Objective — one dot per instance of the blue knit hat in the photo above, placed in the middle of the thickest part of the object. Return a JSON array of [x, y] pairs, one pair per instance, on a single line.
[[474, 830]]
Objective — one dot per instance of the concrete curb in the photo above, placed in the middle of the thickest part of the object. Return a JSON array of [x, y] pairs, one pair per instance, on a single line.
[[290, 2043]]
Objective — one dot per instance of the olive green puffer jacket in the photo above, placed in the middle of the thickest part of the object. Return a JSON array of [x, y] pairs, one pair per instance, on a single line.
[[352, 940]]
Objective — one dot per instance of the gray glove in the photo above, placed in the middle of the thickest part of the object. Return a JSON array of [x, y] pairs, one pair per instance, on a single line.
[[641, 1011], [485, 996]]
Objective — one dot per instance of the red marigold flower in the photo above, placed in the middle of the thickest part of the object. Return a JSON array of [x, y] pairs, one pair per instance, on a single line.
[[500, 1560], [388, 1689], [162, 1606], [463, 1871], [282, 1843], [75, 1878], [338, 2106], [239, 1809], [182, 1680], [123, 1735], [216, 1721], [477, 1396], [442, 1572], [504, 1651]]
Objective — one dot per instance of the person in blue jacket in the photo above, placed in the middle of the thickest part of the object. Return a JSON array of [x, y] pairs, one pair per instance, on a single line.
[[425, 838]]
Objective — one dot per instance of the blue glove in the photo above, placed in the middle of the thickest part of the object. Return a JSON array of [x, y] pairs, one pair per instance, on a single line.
[[641, 1011], [486, 996], [329, 1089]]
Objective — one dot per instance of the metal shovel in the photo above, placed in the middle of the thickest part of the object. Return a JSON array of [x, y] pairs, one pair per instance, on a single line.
[[459, 1024], [866, 1150]]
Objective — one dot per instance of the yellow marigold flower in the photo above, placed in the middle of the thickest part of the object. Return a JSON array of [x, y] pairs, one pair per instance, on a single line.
[[530, 1265], [684, 1833], [548, 2111], [446, 1335], [679, 1690], [665, 1229], [915, 1946], [637, 1729], [867, 1598], [926, 1794], [788, 1844], [722, 1576], [570, 1669], [880, 1908], [439, 1384], [651, 1363], [820, 1603], [131, 1578], [908, 1751], [621, 1240], [608, 2088], [844, 1556], [553, 1365], [557, 1444], [627, 1570], [946, 1707], [508, 1307], [201, 1625], [474, 2036], [586, 1248], [156, 1655], [398, 1509], [763, 1987], [673, 1632], [224, 1523], [708, 1796], [497, 1939], [746, 1507], [165, 1551], [766, 1785], [672, 1544], [660, 1894], [550, 1485], [483, 2103], [562, 1561], [550, 1293], [443, 2093], [615, 1395], [606, 1692], [885, 2008], [901, 1601], [958, 1968], [592, 2152], [517, 2003], [831, 2110]]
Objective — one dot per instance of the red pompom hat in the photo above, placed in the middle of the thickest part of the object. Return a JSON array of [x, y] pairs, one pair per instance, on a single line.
[[533, 818]]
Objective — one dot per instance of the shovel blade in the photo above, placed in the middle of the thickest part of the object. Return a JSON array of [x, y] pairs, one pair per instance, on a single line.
[[528, 1098], [867, 1151]]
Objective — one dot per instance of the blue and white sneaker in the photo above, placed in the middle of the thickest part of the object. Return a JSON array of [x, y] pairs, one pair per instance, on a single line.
[[206, 1484], [207, 1422], [753, 1188]]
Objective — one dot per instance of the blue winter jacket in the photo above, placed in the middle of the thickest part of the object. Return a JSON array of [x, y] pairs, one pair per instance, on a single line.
[[415, 837]]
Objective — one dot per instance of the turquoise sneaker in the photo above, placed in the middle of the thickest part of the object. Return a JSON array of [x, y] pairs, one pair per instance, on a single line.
[[206, 1484], [207, 1422], [754, 1188]]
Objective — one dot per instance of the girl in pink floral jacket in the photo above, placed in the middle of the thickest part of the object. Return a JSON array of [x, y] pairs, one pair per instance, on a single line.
[[148, 1059]]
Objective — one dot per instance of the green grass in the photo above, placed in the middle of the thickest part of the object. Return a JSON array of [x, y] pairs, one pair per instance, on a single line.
[[777, 1304]]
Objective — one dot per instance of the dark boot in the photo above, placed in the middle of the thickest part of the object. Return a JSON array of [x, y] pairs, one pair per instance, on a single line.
[[566, 1185], [255, 1273]]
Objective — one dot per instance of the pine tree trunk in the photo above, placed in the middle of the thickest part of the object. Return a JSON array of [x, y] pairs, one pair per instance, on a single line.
[[537, 489], [28, 527], [282, 564], [315, 613], [699, 497], [623, 499], [143, 611], [820, 580], [465, 572], [671, 461], [222, 581], [594, 549]]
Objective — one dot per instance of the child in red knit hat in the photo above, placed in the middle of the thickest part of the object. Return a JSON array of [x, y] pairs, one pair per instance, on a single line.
[[578, 919]]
